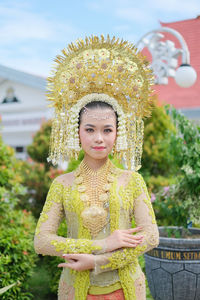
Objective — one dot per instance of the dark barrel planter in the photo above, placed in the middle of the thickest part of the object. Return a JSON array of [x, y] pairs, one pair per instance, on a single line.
[[173, 268]]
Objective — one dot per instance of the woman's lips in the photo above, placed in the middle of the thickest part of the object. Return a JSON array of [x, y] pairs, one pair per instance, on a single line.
[[98, 148]]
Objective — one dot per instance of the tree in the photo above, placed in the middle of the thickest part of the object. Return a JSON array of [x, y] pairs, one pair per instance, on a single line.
[[39, 149], [158, 163]]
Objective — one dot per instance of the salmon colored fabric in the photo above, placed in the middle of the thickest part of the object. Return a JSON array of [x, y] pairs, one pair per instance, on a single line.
[[116, 295]]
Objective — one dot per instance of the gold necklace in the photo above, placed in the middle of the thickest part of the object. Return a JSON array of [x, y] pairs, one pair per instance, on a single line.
[[94, 187]]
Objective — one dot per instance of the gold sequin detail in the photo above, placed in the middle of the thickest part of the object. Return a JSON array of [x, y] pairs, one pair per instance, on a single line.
[[95, 184]]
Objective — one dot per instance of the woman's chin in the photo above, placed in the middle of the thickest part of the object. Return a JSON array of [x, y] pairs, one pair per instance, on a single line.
[[98, 155]]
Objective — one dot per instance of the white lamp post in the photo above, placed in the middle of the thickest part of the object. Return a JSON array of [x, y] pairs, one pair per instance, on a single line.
[[165, 57]]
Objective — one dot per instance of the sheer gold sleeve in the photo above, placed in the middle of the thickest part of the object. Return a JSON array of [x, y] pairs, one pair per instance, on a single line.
[[144, 217], [46, 240]]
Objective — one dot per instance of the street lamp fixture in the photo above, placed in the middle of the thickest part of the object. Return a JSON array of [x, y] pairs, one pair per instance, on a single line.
[[165, 57]]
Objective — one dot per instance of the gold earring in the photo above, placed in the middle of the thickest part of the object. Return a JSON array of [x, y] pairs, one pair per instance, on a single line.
[[113, 150]]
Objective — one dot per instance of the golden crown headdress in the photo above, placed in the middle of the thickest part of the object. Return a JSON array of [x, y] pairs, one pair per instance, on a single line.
[[99, 69]]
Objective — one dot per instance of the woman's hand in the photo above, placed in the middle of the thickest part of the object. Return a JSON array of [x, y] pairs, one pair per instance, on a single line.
[[123, 238], [78, 262]]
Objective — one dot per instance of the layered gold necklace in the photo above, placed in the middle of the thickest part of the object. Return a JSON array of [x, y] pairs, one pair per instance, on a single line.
[[94, 187]]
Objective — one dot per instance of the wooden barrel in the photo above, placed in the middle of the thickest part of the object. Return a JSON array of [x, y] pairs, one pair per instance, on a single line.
[[173, 268]]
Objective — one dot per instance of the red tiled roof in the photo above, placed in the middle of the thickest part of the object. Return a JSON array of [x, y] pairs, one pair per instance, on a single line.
[[172, 93]]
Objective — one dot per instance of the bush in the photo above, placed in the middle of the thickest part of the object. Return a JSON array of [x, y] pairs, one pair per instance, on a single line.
[[179, 205], [39, 149], [17, 256], [16, 247], [37, 180], [35, 173], [157, 159], [158, 164]]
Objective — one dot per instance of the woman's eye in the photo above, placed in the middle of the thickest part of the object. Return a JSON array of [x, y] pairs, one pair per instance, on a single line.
[[108, 130], [89, 130]]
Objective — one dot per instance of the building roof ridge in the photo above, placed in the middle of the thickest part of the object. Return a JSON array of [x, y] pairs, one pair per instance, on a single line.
[[35, 81]]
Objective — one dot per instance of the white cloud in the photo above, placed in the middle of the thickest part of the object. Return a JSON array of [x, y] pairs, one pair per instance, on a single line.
[[148, 10], [177, 6], [123, 27], [18, 24], [30, 40], [135, 15], [30, 61]]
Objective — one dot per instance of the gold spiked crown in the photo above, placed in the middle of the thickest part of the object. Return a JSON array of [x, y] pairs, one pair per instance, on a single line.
[[99, 66]]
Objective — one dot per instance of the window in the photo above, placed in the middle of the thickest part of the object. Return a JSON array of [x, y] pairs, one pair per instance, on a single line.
[[19, 149]]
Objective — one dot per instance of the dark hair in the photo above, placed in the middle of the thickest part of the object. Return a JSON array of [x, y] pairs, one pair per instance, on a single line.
[[97, 104]]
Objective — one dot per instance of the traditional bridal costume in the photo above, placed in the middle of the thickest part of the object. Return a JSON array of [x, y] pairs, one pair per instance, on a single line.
[[96, 203]]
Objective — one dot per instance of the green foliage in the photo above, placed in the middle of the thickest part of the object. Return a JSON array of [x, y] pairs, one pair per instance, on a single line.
[[39, 149], [74, 163], [181, 204], [179, 232], [36, 174], [37, 180], [157, 159], [168, 209], [155, 183], [17, 256], [40, 284], [16, 246], [185, 145], [6, 162]]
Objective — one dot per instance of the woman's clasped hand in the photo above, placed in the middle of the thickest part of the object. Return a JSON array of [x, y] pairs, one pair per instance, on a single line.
[[120, 238]]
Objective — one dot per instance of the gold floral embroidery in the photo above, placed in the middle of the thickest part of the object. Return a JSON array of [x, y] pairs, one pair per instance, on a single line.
[[126, 282], [124, 257], [147, 200], [54, 195], [75, 246]]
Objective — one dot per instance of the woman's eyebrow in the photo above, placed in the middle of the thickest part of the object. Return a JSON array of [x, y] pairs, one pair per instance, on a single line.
[[89, 125], [106, 126], [109, 126]]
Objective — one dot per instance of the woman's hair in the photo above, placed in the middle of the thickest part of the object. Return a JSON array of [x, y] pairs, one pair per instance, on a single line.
[[97, 104]]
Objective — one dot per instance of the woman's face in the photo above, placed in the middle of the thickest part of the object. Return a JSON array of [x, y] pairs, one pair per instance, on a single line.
[[98, 132]]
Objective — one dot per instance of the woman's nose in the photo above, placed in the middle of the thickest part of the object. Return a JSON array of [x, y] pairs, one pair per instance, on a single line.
[[99, 138]]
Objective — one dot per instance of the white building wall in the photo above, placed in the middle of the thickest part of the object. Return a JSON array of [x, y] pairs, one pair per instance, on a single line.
[[20, 120], [29, 97]]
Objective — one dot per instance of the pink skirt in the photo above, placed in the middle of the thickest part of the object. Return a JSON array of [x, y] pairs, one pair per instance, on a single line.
[[116, 295]]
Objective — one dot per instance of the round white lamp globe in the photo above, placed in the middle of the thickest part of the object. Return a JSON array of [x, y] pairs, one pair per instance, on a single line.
[[185, 76]]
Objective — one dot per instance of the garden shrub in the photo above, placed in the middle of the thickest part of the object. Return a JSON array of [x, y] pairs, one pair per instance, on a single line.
[[179, 204], [17, 256], [35, 173], [156, 158], [16, 246], [37, 180], [39, 148]]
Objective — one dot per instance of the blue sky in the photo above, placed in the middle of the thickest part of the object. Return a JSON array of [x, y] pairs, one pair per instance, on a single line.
[[32, 33]]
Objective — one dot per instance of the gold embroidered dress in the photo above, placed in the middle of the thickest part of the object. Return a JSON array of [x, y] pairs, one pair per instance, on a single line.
[[127, 202]]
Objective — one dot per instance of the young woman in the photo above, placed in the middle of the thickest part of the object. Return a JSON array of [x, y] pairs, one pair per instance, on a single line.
[[99, 201]]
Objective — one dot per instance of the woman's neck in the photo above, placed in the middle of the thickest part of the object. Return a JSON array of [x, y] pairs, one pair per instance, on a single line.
[[93, 163]]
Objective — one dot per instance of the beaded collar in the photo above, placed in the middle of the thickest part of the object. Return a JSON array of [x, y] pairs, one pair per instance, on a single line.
[[94, 187]]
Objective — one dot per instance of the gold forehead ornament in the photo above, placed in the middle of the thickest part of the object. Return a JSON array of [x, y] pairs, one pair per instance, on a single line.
[[101, 115]]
